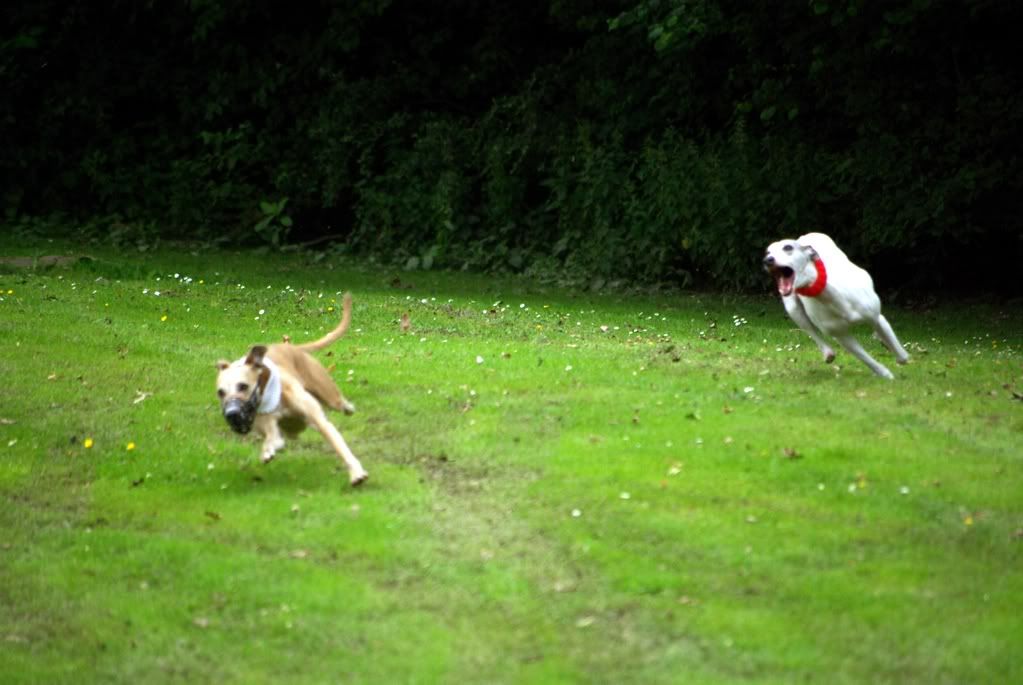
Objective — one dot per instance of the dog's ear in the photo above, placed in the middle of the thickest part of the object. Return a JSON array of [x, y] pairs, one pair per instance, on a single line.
[[255, 356], [222, 364], [808, 249]]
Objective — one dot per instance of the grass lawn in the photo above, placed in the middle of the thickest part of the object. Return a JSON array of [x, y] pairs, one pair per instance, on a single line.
[[565, 487]]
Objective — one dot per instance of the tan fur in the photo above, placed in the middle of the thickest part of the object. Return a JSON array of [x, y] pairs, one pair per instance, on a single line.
[[305, 386]]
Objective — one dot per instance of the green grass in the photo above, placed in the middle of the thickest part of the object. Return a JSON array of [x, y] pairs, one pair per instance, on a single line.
[[677, 498]]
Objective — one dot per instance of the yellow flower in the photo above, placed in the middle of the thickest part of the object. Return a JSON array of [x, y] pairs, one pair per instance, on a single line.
[[330, 309], [130, 446], [968, 521], [10, 292], [163, 318], [88, 443]]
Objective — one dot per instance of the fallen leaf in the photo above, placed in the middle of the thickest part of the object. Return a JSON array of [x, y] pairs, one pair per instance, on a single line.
[[791, 453], [141, 396], [201, 622], [299, 554], [213, 515], [405, 323]]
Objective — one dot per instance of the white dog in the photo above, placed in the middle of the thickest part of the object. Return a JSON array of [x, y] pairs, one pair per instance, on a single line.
[[823, 291]]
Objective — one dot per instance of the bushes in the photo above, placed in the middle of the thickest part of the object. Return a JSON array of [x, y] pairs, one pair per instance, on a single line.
[[668, 149]]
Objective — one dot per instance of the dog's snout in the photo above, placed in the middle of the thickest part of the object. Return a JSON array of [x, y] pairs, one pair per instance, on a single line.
[[237, 418], [769, 260]]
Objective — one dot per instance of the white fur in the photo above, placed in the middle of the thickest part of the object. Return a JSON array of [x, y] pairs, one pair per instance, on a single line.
[[847, 300]]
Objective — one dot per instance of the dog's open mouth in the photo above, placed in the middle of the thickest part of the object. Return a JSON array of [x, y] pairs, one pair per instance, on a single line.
[[785, 278]]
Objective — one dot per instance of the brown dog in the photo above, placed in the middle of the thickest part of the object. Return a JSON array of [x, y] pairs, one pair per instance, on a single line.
[[283, 387]]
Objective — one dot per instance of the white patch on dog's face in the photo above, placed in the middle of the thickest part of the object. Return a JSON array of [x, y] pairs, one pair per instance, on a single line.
[[786, 261]]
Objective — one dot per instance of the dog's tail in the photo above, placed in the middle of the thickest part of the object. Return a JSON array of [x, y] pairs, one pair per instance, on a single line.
[[334, 335]]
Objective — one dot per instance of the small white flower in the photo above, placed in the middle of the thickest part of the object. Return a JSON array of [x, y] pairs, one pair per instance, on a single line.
[[748, 389], [625, 495], [576, 513], [479, 359], [568, 368], [262, 312], [904, 490]]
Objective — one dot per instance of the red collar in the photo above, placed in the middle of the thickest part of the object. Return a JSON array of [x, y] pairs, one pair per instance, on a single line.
[[817, 287]]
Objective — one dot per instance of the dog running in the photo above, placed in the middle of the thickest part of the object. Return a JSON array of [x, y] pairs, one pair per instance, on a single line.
[[822, 290], [282, 388]]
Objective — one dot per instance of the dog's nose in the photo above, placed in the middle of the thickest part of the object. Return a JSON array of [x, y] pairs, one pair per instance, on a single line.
[[768, 260], [235, 417]]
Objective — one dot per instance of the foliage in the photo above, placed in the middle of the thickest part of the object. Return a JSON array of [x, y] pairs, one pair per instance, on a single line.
[[653, 140]]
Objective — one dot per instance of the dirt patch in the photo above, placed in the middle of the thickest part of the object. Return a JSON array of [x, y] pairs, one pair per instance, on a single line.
[[44, 262]]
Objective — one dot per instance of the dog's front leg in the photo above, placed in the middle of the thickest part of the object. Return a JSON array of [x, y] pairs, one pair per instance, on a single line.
[[272, 440], [795, 310], [850, 343]]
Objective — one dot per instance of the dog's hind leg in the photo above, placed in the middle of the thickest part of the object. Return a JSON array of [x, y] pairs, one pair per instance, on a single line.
[[318, 418], [795, 310], [850, 343], [887, 335]]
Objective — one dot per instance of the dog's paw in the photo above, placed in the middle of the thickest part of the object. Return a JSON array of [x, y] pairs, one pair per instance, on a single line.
[[266, 458], [347, 407], [902, 361], [829, 356], [359, 478]]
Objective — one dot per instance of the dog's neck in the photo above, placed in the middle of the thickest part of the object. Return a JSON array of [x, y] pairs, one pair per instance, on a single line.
[[817, 287]]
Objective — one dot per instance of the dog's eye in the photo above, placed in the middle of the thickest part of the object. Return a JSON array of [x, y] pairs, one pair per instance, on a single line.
[[243, 387], [221, 393], [787, 248]]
